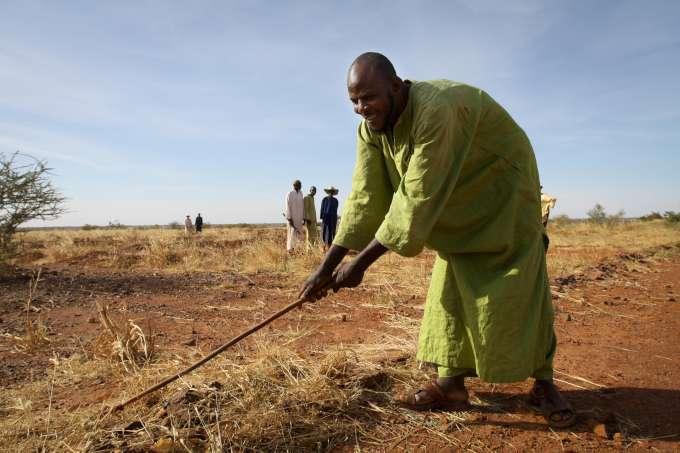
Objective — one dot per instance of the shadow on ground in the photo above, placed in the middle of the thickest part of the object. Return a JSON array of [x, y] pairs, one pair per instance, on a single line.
[[636, 412]]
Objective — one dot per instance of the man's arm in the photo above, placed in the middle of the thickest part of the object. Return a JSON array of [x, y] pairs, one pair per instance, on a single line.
[[363, 212], [441, 144], [369, 255]]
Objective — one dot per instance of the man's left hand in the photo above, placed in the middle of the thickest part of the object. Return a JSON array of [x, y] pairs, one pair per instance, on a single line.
[[347, 275], [316, 286]]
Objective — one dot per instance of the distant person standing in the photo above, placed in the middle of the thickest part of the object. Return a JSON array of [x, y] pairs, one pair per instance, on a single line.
[[329, 215], [294, 216], [547, 203], [310, 218], [188, 227], [199, 223]]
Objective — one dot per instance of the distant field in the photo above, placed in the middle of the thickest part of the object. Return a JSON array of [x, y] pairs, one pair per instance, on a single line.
[[252, 248]]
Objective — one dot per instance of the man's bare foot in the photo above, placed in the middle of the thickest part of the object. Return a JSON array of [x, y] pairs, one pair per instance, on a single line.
[[546, 399]]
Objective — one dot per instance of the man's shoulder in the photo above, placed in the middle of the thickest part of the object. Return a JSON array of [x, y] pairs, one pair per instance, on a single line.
[[434, 101], [441, 92]]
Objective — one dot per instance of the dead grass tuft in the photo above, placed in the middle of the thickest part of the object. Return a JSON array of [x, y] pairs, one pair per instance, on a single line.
[[35, 332], [130, 345]]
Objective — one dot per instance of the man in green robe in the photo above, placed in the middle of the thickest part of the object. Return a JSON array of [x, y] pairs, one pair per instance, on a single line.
[[309, 218], [441, 164]]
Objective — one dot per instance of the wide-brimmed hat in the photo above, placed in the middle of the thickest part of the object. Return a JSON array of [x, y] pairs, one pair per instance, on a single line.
[[331, 189]]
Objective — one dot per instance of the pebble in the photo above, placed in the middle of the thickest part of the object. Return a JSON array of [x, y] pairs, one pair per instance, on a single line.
[[164, 445], [618, 438], [600, 430]]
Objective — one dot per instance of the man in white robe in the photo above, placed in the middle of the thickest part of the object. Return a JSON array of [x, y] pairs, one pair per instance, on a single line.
[[294, 215], [188, 226], [547, 203]]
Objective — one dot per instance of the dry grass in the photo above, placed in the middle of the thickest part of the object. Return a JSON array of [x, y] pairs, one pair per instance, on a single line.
[[574, 246], [35, 333], [275, 401]]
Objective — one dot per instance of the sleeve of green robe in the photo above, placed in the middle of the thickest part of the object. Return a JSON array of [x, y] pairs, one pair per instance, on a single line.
[[441, 141], [369, 198]]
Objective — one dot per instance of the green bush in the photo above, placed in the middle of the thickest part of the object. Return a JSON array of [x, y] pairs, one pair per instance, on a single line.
[[599, 216], [651, 216], [561, 219]]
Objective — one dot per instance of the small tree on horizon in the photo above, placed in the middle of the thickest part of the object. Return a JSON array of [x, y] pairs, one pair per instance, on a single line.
[[672, 217], [26, 193], [597, 214]]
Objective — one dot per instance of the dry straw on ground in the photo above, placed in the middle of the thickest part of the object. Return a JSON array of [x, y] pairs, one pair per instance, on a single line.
[[280, 401]]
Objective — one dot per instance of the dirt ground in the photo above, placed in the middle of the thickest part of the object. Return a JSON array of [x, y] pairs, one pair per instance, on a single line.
[[618, 358]]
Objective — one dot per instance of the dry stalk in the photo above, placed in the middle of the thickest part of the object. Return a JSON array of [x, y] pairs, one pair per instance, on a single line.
[[130, 345], [35, 334]]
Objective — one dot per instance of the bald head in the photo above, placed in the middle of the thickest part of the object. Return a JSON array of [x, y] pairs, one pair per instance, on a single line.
[[374, 63]]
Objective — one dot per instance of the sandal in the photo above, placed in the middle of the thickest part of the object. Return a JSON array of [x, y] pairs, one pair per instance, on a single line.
[[559, 415], [432, 396]]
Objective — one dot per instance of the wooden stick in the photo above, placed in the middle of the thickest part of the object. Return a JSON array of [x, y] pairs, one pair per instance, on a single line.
[[212, 355]]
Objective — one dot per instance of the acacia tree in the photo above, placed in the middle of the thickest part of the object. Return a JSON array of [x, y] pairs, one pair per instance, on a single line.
[[597, 214], [26, 193]]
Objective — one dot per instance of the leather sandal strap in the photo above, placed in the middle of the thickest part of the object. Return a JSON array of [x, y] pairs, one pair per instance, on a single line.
[[433, 388]]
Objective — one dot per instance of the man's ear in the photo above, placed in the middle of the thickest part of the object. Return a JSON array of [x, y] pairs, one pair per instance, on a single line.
[[395, 86]]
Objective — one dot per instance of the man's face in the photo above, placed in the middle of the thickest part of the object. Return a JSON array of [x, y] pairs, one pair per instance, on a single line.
[[372, 96], [312, 191], [297, 185]]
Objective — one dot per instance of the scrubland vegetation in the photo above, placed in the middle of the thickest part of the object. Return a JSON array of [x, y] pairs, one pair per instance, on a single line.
[[573, 245]]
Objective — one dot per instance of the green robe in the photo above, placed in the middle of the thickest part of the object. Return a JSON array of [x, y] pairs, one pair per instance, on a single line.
[[458, 175], [310, 220]]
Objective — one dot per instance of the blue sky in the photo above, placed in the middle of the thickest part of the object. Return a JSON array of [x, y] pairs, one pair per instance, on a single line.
[[151, 110]]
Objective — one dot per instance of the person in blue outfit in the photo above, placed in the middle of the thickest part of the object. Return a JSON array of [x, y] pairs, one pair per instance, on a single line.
[[329, 216]]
